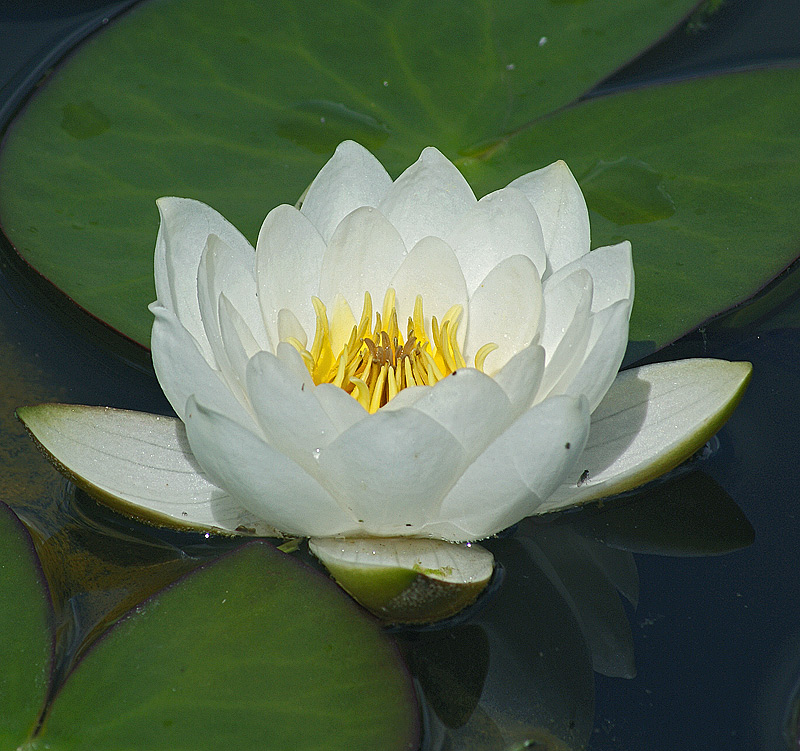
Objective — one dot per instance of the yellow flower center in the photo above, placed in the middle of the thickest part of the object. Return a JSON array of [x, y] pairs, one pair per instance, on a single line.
[[376, 362]]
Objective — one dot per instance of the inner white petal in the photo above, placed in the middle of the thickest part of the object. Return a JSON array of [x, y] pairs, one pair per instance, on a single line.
[[362, 256], [505, 309], [429, 198], [288, 260], [351, 178], [501, 224]]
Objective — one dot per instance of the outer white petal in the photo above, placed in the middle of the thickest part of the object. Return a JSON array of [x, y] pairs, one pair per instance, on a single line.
[[505, 309], [185, 227], [502, 224], [408, 397], [182, 370], [138, 463], [429, 198], [290, 416], [230, 271], [352, 177], [288, 260], [362, 256], [267, 483], [566, 330], [470, 406], [605, 350], [391, 470], [516, 474], [520, 377], [611, 269], [562, 211], [432, 270], [221, 270], [238, 344], [651, 419]]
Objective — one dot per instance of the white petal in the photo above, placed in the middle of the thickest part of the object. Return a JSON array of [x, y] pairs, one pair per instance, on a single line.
[[342, 410], [605, 350], [651, 419], [290, 416], [238, 344], [352, 177], [292, 359], [267, 483], [520, 378], [558, 201], [182, 370], [501, 224], [221, 271], [470, 406], [408, 397], [288, 260], [362, 256], [432, 270], [427, 199], [512, 478], [391, 470], [505, 309], [182, 235], [230, 270], [566, 329], [140, 464], [289, 326], [611, 269]]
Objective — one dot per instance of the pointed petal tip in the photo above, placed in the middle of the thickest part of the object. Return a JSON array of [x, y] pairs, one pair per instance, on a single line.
[[637, 437]]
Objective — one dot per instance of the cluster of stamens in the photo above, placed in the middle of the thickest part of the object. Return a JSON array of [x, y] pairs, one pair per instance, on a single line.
[[377, 361]]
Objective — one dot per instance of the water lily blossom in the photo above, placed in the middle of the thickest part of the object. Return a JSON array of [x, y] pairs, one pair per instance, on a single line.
[[394, 359]]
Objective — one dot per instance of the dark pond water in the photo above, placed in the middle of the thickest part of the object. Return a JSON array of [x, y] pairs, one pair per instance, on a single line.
[[716, 639]]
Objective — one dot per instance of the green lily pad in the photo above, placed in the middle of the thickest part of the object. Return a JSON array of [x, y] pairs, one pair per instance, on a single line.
[[239, 103], [26, 646], [238, 655], [701, 176]]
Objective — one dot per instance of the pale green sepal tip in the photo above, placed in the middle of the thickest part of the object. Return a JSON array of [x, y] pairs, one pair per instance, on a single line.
[[100, 449], [407, 580], [732, 379]]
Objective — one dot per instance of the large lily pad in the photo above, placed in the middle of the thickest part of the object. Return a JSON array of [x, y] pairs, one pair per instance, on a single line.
[[239, 103], [702, 176], [238, 655], [26, 643]]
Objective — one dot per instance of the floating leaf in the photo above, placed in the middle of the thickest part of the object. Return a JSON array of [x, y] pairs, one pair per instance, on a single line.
[[702, 147], [243, 104], [251, 652], [26, 645]]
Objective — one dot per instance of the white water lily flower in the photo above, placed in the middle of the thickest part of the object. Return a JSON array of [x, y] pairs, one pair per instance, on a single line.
[[395, 358]]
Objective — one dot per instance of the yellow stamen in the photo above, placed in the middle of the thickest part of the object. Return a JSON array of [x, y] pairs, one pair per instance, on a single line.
[[377, 362], [483, 353]]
